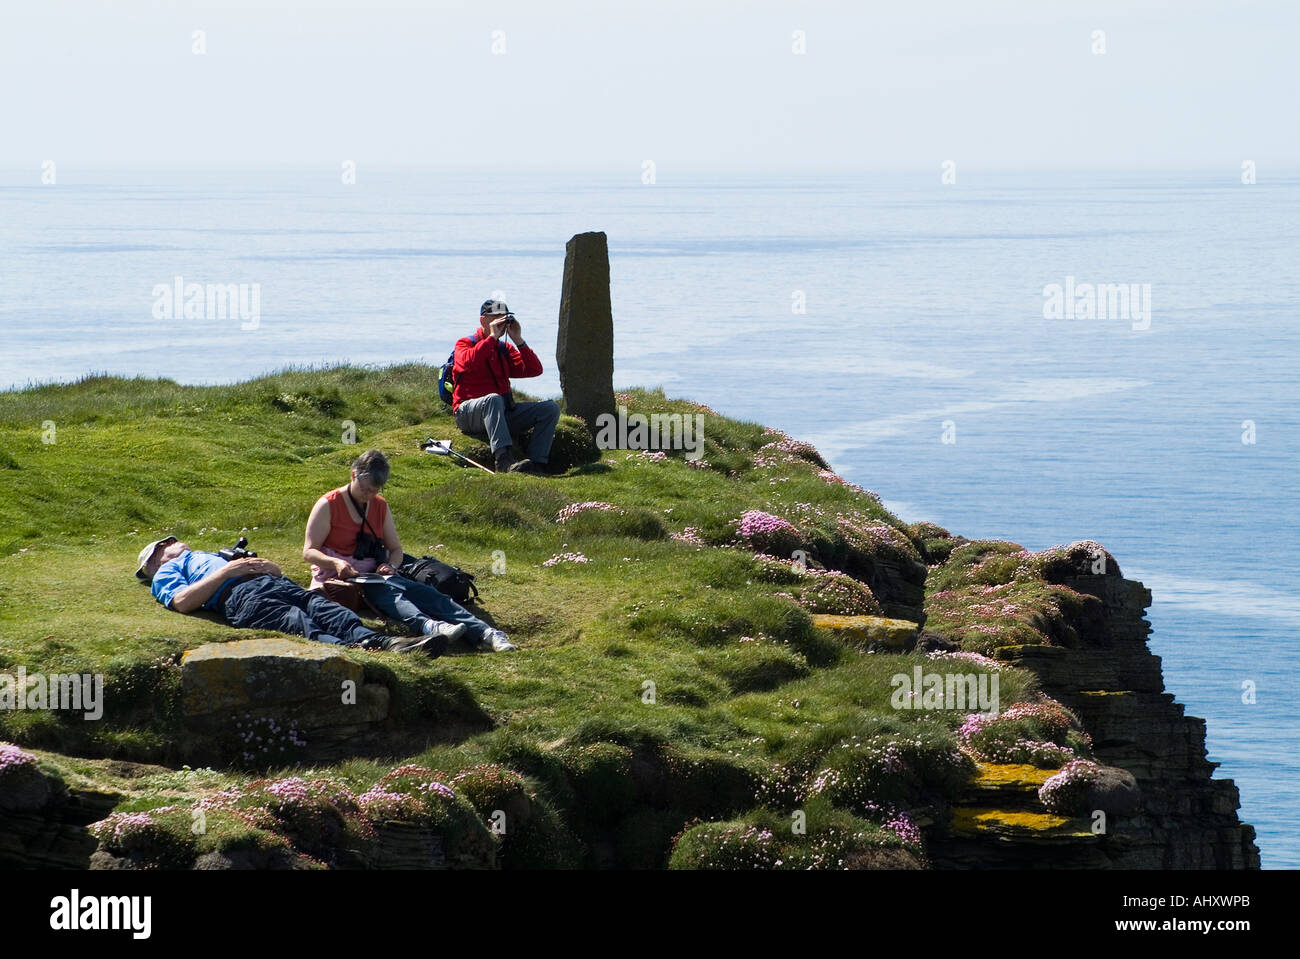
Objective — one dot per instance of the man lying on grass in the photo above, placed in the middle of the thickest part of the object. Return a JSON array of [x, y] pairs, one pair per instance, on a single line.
[[251, 593]]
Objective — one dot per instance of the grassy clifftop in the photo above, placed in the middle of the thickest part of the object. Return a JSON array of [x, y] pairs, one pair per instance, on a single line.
[[672, 695]]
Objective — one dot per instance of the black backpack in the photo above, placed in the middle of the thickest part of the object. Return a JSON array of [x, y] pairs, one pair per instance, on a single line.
[[446, 579]]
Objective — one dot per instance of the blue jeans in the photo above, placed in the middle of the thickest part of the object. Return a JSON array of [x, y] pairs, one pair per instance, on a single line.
[[412, 603], [488, 414], [272, 602]]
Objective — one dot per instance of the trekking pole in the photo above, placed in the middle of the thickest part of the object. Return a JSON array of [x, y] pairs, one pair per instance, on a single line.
[[443, 448]]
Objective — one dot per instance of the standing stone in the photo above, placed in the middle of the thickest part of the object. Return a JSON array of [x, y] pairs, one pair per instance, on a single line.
[[584, 352]]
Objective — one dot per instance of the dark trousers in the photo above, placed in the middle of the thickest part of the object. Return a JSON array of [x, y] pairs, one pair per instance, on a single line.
[[272, 602]]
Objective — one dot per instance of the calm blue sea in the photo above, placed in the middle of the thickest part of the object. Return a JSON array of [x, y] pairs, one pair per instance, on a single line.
[[924, 307]]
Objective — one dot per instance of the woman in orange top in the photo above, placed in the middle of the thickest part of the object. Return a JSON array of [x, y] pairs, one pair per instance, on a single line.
[[351, 531]]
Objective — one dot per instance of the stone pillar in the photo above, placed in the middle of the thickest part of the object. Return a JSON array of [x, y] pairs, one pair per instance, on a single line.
[[584, 352]]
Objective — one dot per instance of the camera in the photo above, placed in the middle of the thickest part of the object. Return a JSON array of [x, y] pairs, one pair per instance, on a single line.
[[238, 551], [370, 546]]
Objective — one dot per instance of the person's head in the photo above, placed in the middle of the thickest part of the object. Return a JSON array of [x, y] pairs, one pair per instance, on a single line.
[[156, 553], [369, 474], [490, 311]]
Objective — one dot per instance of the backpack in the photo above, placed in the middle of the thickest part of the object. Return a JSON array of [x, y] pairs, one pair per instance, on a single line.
[[446, 579], [447, 378], [447, 375]]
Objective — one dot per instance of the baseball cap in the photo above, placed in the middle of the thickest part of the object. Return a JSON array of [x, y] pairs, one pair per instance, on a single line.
[[492, 306], [147, 552]]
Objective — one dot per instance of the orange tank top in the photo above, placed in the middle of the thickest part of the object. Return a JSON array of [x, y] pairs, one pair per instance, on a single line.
[[342, 538]]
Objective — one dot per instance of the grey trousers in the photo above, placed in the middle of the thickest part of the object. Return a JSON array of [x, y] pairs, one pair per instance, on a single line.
[[487, 414]]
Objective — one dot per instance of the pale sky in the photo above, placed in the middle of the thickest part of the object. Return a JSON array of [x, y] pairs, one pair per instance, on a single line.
[[708, 86]]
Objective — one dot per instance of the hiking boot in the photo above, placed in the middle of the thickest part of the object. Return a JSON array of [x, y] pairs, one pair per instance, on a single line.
[[506, 460], [495, 641], [405, 644], [533, 468], [436, 646]]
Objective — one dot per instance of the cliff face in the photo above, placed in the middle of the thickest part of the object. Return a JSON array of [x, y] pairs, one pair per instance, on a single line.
[[1113, 682]]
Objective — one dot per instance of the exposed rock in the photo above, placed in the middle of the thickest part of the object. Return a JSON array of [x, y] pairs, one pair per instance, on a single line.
[[43, 823], [1114, 791], [312, 685], [24, 788], [242, 859], [584, 351], [1164, 811], [932, 642]]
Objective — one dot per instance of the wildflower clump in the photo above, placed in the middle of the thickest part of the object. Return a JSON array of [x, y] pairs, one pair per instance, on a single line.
[[1064, 793], [989, 594], [786, 451], [827, 839], [314, 814], [891, 769], [567, 557], [13, 759], [157, 838], [573, 509], [432, 802], [689, 534], [726, 846], [819, 590], [765, 533], [1042, 733]]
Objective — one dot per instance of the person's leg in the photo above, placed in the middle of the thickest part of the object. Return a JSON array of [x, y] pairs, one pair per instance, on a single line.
[[390, 599], [542, 416], [486, 414], [408, 597], [263, 603], [337, 619]]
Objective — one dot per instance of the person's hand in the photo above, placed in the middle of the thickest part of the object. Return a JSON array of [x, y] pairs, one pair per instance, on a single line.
[[514, 330], [251, 566], [497, 328], [343, 569], [386, 570]]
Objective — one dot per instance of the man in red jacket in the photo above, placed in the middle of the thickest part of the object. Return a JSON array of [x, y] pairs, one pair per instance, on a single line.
[[482, 402]]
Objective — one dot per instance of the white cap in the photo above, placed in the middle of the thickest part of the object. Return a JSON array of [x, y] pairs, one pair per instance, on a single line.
[[147, 552]]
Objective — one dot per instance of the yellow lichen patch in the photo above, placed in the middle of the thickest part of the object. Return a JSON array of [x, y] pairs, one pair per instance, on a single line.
[[1106, 692], [863, 630], [1011, 775], [969, 821]]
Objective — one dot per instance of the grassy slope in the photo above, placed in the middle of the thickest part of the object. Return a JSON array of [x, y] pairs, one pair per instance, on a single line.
[[138, 459]]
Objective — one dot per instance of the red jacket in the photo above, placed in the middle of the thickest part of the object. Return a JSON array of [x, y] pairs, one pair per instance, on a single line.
[[484, 365]]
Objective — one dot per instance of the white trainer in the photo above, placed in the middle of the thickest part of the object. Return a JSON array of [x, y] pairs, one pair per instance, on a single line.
[[495, 641], [449, 631]]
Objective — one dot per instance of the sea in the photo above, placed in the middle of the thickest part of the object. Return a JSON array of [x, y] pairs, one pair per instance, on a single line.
[[935, 340]]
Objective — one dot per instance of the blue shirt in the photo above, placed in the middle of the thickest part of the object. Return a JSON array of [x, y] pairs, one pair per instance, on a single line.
[[186, 570]]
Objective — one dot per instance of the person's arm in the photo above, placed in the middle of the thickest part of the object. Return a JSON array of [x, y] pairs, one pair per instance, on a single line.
[[318, 530], [523, 361], [196, 594], [394, 546]]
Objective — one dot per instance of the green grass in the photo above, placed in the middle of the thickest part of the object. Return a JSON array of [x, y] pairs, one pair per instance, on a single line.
[[133, 460]]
